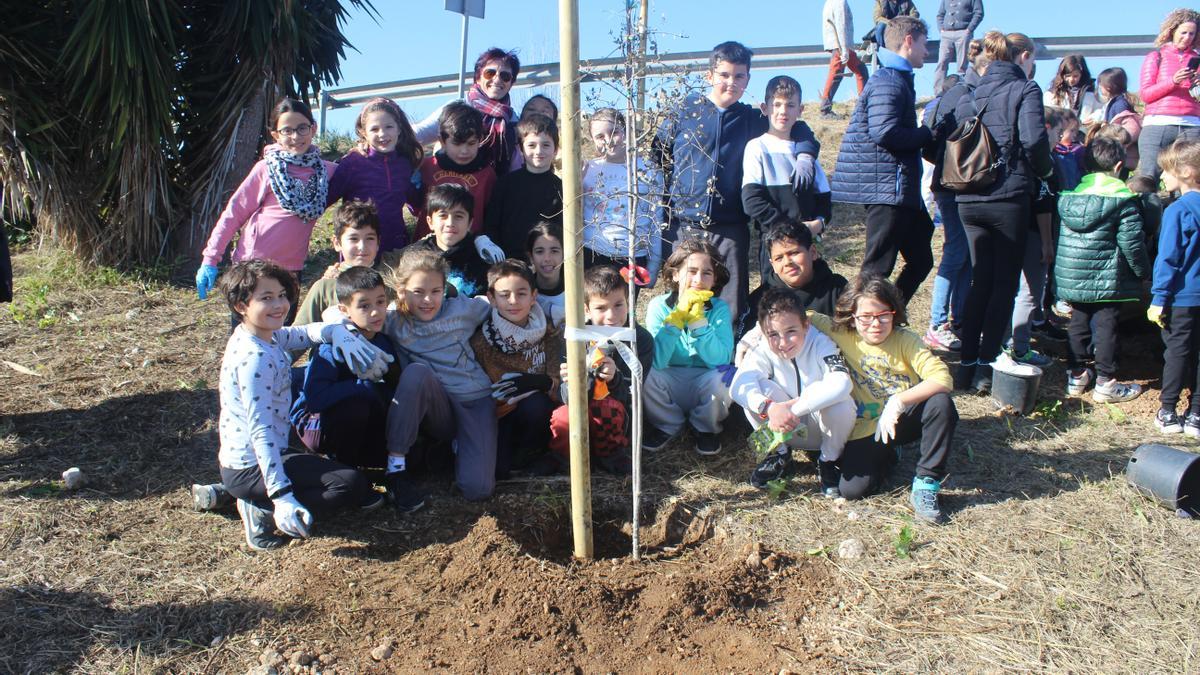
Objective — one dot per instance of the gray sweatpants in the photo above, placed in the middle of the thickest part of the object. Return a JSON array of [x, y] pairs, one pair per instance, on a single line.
[[420, 402], [673, 396], [826, 429]]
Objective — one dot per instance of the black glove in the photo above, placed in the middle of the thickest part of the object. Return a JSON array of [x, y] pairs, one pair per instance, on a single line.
[[514, 386], [806, 172]]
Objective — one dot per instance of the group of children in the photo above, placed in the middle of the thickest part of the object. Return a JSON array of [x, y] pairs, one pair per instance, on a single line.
[[447, 347]]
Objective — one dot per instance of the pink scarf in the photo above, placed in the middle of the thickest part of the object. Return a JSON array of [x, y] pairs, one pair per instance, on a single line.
[[500, 139]]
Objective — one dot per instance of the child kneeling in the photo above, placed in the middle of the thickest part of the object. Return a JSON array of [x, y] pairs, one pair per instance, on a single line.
[[902, 391], [338, 413], [270, 482], [519, 350], [693, 343], [795, 381], [606, 303]]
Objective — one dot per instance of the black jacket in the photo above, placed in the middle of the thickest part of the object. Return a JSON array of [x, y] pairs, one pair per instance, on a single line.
[[820, 294], [468, 272], [520, 200], [1016, 120]]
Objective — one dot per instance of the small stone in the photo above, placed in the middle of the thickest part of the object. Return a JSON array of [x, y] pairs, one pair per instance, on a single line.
[[381, 652], [272, 658], [301, 659], [853, 515], [754, 559], [545, 608], [262, 670], [132, 314], [73, 478], [217, 641], [327, 659], [851, 549]]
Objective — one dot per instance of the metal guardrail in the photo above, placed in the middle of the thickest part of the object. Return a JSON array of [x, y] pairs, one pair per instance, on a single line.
[[768, 58]]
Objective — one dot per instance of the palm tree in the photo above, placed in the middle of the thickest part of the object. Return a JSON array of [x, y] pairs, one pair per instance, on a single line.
[[124, 124]]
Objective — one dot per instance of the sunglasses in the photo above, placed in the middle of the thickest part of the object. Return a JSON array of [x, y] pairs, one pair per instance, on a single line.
[[505, 76]]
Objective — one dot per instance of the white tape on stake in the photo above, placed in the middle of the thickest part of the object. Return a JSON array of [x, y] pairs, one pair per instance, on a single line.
[[616, 336]]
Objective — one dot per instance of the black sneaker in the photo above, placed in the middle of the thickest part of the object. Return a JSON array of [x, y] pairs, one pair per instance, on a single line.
[[831, 477], [405, 496], [982, 384], [618, 464], [372, 500], [654, 439], [1167, 422], [1046, 330], [775, 466], [707, 444], [1191, 425], [259, 526]]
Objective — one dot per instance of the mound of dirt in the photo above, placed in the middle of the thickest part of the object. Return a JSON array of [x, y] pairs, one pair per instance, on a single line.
[[486, 602]]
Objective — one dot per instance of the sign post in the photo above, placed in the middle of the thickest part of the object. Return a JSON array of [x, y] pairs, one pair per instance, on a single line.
[[468, 9]]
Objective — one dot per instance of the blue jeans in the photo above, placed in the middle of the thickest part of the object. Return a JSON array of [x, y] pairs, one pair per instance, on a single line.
[[879, 27], [953, 279]]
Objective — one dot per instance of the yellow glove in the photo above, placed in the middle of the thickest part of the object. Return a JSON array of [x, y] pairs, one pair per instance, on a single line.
[[1155, 315], [692, 302], [678, 318]]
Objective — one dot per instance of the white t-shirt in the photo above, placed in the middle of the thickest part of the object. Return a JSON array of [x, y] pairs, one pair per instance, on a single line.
[[606, 211]]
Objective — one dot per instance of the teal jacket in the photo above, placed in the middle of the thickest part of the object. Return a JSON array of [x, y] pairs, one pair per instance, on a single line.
[[1101, 246], [704, 347]]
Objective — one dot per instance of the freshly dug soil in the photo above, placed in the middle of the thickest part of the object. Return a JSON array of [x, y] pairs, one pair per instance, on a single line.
[[494, 602]]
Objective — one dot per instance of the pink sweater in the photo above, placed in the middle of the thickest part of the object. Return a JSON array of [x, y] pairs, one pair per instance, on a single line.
[[268, 232], [1158, 88]]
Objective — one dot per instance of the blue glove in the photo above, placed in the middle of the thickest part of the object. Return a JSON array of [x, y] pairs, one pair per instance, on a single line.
[[416, 180], [727, 372], [206, 278]]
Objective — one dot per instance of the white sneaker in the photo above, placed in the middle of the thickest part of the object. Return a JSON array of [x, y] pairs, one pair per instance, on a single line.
[[1077, 385], [1111, 391], [1062, 308]]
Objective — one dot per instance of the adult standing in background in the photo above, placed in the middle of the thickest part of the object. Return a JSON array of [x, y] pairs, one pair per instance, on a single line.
[[956, 21], [495, 72], [886, 10], [837, 33], [996, 218], [1171, 113]]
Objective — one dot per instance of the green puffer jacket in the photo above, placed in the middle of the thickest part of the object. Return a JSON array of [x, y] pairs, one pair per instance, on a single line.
[[1101, 247]]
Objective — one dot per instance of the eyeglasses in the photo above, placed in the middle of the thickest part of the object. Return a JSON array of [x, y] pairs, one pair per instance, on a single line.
[[301, 130], [884, 318], [505, 76]]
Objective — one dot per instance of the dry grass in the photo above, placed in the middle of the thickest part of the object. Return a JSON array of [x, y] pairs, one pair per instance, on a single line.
[[1049, 563]]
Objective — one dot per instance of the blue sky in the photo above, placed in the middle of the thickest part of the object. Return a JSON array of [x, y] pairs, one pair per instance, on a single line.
[[419, 38]]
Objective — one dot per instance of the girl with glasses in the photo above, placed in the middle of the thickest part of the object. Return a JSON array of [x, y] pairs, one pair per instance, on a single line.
[[902, 391], [277, 204]]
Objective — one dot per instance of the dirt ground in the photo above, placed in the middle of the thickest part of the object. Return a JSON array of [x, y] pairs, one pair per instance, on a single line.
[[1049, 562]]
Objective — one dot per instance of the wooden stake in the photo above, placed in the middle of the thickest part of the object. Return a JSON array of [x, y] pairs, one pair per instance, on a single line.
[[577, 394]]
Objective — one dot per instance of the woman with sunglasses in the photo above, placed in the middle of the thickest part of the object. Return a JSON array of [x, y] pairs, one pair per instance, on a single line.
[[902, 391], [495, 72]]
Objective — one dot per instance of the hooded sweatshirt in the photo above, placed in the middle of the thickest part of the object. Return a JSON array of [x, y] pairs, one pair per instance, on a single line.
[[385, 178], [1177, 268], [1101, 248], [818, 374]]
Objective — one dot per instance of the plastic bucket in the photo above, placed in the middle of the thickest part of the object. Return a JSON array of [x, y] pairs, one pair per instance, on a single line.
[[1018, 389], [1167, 474]]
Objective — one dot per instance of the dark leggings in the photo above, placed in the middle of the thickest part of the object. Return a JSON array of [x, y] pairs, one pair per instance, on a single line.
[[996, 234], [865, 463], [1181, 338], [321, 485]]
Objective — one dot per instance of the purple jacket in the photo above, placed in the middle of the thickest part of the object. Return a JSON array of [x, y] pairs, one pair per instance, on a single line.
[[386, 179]]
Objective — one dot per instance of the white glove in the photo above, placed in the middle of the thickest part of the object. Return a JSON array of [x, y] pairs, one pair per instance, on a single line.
[[349, 347], [885, 429], [490, 252], [291, 517], [378, 368]]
